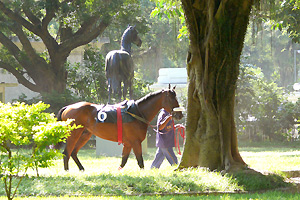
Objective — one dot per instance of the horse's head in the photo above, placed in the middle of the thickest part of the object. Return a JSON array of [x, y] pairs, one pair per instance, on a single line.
[[134, 36], [170, 102]]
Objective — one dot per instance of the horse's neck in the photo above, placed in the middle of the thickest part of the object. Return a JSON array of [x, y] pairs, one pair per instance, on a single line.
[[126, 43], [149, 109], [126, 46]]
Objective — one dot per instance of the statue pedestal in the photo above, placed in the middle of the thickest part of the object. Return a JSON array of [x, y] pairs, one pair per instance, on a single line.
[[108, 148]]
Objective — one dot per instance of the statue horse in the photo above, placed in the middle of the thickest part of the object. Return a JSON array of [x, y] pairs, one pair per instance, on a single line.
[[134, 132], [119, 65]]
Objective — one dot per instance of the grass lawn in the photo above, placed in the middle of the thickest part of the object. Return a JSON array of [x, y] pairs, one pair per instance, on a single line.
[[264, 196], [273, 157], [102, 178]]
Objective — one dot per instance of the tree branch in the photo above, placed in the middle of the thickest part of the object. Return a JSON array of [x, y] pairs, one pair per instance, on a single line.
[[21, 79], [87, 26], [14, 16], [25, 42], [50, 13], [30, 15], [12, 48], [83, 37], [17, 53]]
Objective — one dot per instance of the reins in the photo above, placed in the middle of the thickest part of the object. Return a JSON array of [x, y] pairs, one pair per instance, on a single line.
[[142, 119], [181, 132], [139, 118]]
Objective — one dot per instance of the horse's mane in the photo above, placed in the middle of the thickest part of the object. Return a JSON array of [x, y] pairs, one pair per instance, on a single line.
[[149, 96], [126, 45]]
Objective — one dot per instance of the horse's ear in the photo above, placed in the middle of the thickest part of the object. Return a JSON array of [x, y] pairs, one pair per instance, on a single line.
[[174, 87], [169, 86]]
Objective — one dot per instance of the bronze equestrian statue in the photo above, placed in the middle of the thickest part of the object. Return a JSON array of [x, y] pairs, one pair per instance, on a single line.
[[119, 65]]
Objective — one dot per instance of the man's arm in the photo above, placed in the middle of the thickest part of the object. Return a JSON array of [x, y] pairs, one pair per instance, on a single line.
[[164, 122]]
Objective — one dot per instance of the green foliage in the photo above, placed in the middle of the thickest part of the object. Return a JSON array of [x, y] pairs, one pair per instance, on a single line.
[[23, 125], [264, 102], [54, 99], [172, 9], [286, 15], [140, 86], [87, 79]]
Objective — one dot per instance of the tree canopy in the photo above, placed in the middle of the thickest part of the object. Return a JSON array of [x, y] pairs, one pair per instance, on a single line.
[[61, 26]]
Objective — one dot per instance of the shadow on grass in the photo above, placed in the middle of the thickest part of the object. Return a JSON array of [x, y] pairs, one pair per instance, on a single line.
[[105, 184], [196, 181], [252, 180]]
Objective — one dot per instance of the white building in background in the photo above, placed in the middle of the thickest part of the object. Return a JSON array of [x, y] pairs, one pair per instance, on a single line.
[[10, 88], [174, 76]]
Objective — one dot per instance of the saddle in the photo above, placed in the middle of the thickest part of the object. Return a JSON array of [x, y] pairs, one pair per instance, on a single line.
[[108, 113]]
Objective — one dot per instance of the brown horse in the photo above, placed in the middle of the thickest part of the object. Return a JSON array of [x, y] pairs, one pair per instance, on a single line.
[[134, 132]]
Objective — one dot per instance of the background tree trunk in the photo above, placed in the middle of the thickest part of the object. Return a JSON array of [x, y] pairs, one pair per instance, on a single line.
[[217, 30]]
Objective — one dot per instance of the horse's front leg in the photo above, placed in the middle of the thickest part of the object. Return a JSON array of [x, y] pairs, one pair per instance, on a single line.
[[137, 149], [125, 155], [130, 89]]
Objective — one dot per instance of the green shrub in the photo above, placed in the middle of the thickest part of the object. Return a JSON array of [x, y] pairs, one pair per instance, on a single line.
[[23, 125]]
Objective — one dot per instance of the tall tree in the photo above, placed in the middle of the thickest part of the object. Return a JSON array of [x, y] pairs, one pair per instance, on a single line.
[[216, 30], [61, 25]]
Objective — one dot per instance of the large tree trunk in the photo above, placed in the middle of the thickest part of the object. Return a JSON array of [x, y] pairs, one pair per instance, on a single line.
[[217, 30]]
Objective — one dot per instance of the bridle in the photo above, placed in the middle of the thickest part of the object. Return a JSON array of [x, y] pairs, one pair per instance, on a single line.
[[142, 117]]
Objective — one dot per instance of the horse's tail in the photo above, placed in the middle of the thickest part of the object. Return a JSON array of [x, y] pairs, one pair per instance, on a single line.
[[58, 116], [109, 65]]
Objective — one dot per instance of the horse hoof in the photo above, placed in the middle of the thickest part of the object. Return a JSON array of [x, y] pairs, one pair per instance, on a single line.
[[120, 168]]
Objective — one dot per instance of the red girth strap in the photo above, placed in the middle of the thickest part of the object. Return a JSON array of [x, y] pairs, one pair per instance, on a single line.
[[120, 127]]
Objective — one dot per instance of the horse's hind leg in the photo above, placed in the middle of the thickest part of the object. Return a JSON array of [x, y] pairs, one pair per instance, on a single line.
[[125, 155], [119, 92], [125, 88], [137, 149], [70, 144], [84, 138]]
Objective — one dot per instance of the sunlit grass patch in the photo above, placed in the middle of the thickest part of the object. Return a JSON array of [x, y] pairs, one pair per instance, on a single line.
[[273, 161]]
